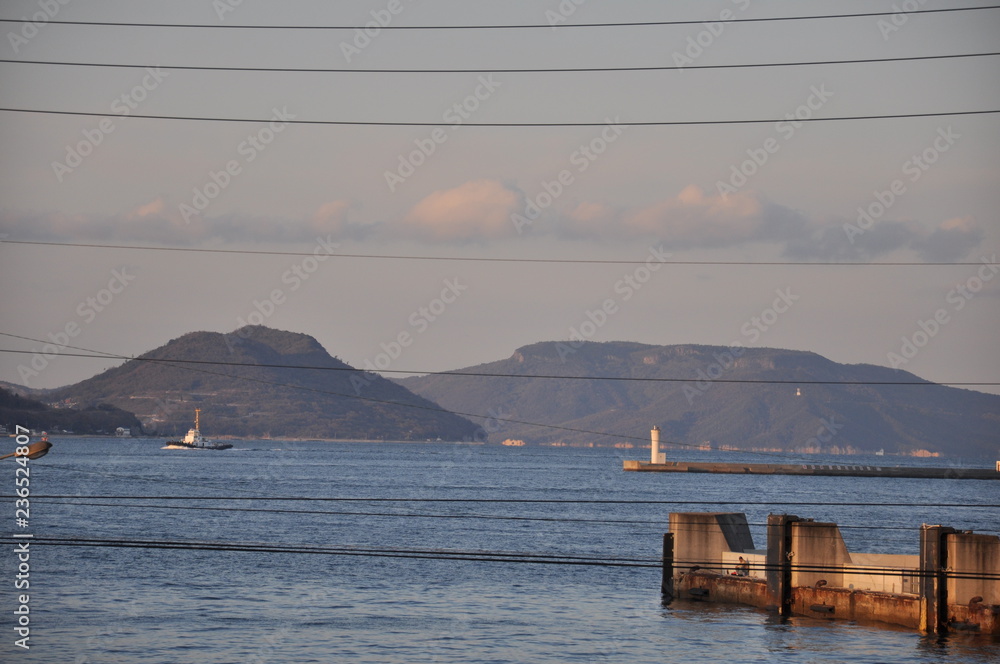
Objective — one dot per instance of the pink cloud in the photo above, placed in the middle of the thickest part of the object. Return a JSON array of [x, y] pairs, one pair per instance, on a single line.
[[480, 209], [691, 218], [331, 217]]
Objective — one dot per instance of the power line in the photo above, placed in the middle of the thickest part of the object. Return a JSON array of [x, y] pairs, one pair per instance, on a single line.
[[515, 501], [529, 26], [474, 556], [481, 259], [87, 501], [425, 515], [83, 500], [490, 70], [483, 374], [429, 554], [251, 497], [373, 123], [415, 515]]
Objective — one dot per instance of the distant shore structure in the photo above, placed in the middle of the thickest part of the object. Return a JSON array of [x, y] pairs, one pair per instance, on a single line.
[[658, 464], [655, 455]]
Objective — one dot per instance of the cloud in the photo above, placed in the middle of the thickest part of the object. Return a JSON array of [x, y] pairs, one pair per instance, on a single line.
[[330, 217], [156, 207], [483, 210], [159, 222], [831, 242], [693, 220], [476, 210], [950, 241], [846, 241]]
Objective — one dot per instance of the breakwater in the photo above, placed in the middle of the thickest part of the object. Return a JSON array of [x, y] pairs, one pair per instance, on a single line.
[[955, 473], [807, 569]]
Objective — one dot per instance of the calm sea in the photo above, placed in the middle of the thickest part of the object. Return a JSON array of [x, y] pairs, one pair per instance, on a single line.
[[135, 605]]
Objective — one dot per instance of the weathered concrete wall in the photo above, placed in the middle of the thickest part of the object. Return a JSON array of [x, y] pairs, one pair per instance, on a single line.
[[952, 584], [983, 618], [700, 539], [971, 554], [857, 605], [883, 572], [709, 587], [832, 603], [818, 553]]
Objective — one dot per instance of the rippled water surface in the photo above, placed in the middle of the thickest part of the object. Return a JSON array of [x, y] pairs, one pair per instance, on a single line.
[[162, 605]]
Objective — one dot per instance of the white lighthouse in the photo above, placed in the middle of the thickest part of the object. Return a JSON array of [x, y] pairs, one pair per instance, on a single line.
[[655, 455]]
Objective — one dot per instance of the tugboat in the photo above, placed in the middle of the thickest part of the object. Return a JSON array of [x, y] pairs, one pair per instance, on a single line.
[[193, 439]]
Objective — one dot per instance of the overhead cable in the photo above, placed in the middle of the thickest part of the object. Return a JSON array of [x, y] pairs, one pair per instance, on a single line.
[[484, 374], [484, 259], [527, 26], [493, 70], [499, 500], [473, 556], [400, 123], [426, 515]]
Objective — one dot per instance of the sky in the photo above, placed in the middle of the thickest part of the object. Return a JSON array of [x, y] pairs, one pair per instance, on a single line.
[[621, 232]]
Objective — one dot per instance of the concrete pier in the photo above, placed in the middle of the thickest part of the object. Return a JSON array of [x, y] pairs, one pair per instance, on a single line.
[[813, 469], [806, 569]]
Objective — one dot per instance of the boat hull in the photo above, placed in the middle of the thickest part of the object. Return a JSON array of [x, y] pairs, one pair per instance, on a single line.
[[180, 445]]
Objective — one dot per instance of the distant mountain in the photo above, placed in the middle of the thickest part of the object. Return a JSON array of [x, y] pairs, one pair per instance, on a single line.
[[795, 416], [244, 399], [30, 413]]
